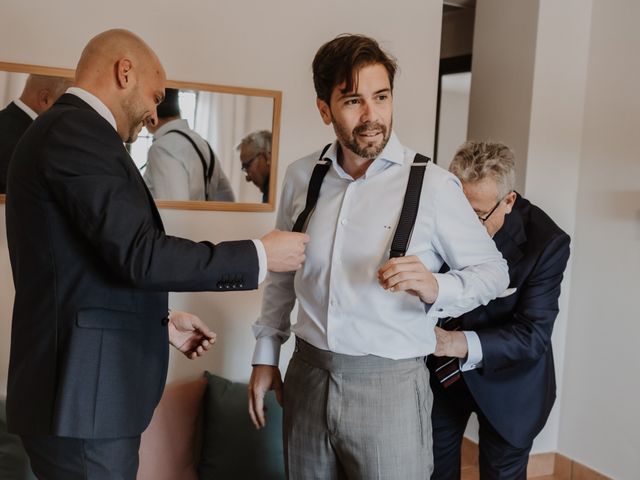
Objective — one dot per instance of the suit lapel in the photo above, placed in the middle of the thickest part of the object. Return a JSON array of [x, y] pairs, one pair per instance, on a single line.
[[512, 234], [70, 99]]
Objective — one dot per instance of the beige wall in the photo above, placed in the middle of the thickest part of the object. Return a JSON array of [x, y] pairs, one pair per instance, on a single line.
[[570, 89], [599, 419], [502, 71], [247, 43]]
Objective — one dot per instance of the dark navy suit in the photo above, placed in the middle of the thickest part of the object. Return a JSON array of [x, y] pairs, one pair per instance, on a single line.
[[514, 389], [92, 267], [13, 123]]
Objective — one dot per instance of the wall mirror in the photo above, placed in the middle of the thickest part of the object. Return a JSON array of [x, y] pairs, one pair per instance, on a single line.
[[222, 115]]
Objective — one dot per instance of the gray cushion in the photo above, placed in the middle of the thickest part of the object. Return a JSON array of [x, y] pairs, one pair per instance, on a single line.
[[232, 447], [14, 463]]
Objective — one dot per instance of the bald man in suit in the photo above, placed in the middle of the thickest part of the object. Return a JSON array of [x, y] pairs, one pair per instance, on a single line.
[[92, 266], [39, 94]]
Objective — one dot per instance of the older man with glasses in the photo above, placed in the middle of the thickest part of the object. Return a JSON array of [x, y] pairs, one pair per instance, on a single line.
[[502, 361], [255, 157]]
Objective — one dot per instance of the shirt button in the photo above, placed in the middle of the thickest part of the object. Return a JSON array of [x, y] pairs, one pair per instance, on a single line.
[[344, 221]]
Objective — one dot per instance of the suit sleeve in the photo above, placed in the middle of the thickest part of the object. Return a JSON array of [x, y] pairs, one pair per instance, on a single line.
[[527, 336], [85, 170]]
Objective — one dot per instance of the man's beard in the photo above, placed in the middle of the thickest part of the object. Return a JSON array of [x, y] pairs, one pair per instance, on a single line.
[[370, 150], [135, 115]]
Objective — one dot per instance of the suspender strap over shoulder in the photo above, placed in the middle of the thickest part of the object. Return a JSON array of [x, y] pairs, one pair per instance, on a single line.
[[313, 192], [206, 171], [410, 206]]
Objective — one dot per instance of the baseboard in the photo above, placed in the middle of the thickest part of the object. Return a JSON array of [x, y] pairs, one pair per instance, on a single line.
[[540, 465]]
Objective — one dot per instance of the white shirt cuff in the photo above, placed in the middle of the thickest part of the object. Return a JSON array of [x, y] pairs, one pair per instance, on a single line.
[[447, 294], [267, 351], [262, 260], [474, 352]]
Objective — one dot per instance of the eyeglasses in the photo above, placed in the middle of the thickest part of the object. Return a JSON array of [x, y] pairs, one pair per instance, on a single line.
[[246, 164], [486, 217]]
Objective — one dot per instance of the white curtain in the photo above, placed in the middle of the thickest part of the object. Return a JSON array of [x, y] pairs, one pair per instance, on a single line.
[[224, 119]]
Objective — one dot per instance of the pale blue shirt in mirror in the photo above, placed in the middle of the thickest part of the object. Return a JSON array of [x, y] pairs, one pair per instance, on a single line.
[[342, 307]]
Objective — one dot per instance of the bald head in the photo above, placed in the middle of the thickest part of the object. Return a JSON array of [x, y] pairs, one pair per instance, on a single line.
[[120, 69], [42, 91]]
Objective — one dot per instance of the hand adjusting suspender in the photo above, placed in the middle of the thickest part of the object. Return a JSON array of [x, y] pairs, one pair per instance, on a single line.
[[207, 171], [410, 205]]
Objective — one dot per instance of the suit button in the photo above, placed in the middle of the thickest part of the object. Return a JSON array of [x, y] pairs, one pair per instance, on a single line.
[[165, 321], [241, 285]]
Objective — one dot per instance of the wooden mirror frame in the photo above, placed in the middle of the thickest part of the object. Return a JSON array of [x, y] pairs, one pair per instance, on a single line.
[[275, 95]]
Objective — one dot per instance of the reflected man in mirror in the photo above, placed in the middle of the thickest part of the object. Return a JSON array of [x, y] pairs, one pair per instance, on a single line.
[[40, 92], [255, 156], [500, 361], [181, 165]]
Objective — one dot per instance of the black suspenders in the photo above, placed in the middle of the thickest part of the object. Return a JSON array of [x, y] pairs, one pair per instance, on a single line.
[[207, 172], [313, 192], [410, 205]]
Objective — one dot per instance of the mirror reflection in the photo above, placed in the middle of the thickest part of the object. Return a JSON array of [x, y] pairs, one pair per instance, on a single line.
[[22, 98], [174, 156], [197, 123]]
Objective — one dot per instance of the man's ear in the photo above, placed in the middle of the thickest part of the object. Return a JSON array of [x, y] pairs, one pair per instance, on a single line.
[[509, 201], [44, 100], [124, 73], [325, 111]]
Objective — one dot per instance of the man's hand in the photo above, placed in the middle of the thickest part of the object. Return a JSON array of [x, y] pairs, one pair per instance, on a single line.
[[189, 334], [408, 274], [450, 344], [285, 250], [263, 379]]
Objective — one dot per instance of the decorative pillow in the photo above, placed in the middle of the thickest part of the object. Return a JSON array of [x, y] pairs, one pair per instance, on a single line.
[[168, 449], [232, 447], [14, 462]]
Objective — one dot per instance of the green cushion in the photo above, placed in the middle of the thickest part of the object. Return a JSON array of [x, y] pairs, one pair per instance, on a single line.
[[14, 463], [232, 447]]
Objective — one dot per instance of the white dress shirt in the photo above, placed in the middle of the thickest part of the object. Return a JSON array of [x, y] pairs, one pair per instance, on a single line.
[[99, 106], [25, 108], [174, 169], [342, 307]]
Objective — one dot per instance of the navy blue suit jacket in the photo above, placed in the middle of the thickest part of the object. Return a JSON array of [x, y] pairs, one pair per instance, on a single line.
[[92, 267], [515, 388]]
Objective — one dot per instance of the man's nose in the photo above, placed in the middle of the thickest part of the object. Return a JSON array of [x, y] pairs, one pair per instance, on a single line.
[[367, 112], [153, 119]]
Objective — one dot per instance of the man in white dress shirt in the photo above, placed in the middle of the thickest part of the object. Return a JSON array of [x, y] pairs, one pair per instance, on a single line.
[[179, 159], [356, 395]]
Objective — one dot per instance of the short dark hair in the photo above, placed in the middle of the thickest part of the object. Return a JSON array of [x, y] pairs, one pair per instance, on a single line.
[[338, 60]]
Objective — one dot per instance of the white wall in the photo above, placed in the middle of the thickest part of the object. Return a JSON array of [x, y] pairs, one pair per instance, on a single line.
[[504, 41], [599, 421], [454, 115], [581, 163], [246, 43]]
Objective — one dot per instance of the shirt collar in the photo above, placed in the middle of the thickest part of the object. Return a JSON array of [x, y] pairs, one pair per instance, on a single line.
[[25, 108], [95, 103], [393, 152], [177, 124]]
